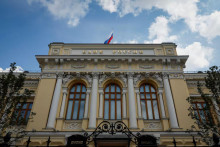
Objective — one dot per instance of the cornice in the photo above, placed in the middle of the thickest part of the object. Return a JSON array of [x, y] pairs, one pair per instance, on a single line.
[[193, 76]]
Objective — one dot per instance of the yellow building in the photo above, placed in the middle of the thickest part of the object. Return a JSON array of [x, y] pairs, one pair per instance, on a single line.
[[142, 86]]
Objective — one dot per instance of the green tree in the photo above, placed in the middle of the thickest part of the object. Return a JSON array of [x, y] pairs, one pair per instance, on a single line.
[[11, 94], [210, 125]]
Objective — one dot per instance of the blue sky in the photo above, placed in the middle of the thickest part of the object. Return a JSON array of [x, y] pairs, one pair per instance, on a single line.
[[28, 26]]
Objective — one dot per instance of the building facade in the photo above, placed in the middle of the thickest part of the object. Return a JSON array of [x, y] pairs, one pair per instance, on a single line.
[[141, 85]]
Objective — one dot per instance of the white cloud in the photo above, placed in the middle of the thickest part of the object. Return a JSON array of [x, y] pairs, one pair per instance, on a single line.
[[159, 31], [199, 56], [18, 69], [109, 5], [73, 10], [207, 26]]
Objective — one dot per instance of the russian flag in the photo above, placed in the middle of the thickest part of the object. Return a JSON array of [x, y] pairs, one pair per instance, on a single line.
[[109, 39]]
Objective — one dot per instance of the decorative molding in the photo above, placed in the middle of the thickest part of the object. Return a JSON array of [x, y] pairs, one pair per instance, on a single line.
[[194, 83], [190, 76], [78, 65], [72, 125], [29, 83], [176, 76], [113, 65], [69, 77], [146, 66], [152, 125], [143, 76], [105, 76], [49, 76]]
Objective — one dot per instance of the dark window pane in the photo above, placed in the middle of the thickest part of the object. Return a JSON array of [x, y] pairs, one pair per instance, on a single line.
[[71, 96], [107, 89], [118, 96], [199, 106], [142, 96], [27, 115], [118, 89], [75, 111], [149, 109], [152, 89], [69, 111], [147, 88], [148, 96], [30, 106], [78, 88], [156, 113], [143, 107], [112, 109], [112, 88], [153, 96], [18, 105], [24, 106], [142, 89], [77, 96], [118, 109], [83, 96], [106, 110], [83, 88], [81, 111], [73, 89], [112, 96], [107, 96]]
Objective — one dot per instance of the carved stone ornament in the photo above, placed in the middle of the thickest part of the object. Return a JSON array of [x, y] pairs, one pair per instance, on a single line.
[[78, 65], [32, 83], [146, 66], [72, 125], [113, 65], [143, 76], [176, 76], [48, 76], [105, 76], [152, 125], [87, 77]]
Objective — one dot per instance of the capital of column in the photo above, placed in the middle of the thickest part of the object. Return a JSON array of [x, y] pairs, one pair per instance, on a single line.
[[65, 89], [137, 90], [130, 75], [59, 75], [88, 91], [95, 75], [165, 75], [101, 91], [160, 91]]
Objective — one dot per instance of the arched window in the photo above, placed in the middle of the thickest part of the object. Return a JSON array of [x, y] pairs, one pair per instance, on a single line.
[[76, 102], [149, 102], [112, 102]]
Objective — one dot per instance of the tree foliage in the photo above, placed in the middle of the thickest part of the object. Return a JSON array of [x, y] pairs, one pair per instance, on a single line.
[[210, 126], [11, 94]]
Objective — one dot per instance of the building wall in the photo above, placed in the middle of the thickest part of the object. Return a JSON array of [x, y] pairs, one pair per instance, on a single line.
[[73, 63]]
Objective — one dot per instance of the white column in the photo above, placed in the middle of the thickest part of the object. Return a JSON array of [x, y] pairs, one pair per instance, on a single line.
[[54, 104], [93, 104], [124, 104], [87, 103], [170, 103], [101, 104], [63, 103], [131, 100], [138, 103], [160, 93], [217, 111]]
